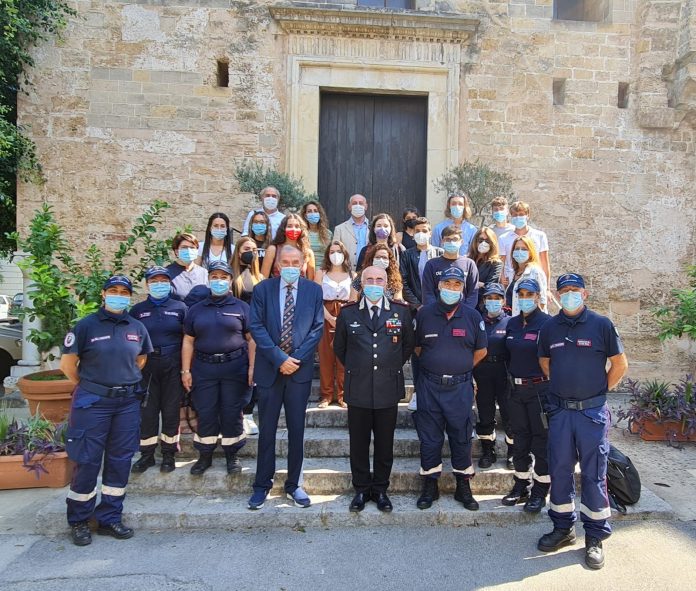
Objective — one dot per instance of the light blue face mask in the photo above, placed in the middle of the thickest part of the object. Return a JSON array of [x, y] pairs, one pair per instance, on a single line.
[[451, 247], [494, 307], [219, 287], [259, 229], [313, 218], [373, 292], [159, 290], [521, 256], [500, 216], [450, 296], [116, 303], [187, 255], [218, 234], [519, 221], [457, 211], [527, 305], [571, 300], [290, 274]]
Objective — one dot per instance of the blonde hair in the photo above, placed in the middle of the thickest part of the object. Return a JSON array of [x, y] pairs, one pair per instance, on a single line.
[[533, 255], [521, 206], [467, 205], [254, 273]]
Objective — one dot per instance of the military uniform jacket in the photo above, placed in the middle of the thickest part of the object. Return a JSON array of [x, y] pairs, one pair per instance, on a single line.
[[374, 354]]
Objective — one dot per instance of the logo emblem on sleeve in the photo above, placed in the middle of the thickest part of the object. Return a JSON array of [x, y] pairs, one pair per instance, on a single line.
[[69, 339], [482, 325]]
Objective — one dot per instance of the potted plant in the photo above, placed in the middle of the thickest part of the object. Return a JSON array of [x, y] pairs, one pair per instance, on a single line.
[[660, 411], [64, 290], [32, 453]]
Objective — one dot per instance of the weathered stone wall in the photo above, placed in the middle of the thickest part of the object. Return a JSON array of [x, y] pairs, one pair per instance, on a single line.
[[126, 109]]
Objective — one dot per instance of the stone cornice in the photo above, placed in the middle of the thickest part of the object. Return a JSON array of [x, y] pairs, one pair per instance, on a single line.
[[375, 24]]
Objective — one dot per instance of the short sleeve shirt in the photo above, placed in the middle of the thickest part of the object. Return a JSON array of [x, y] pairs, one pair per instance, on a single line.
[[219, 325], [164, 320], [184, 281], [521, 341]]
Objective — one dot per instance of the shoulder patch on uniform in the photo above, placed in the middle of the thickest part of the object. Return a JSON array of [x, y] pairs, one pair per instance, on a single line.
[[616, 332], [482, 325], [69, 339]]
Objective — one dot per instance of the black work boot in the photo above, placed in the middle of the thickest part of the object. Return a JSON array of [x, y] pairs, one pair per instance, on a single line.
[[167, 464], [80, 534], [463, 494], [233, 464], [594, 553], [430, 493], [537, 497], [555, 540], [510, 464], [518, 494], [204, 461], [145, 461], [488, 457]]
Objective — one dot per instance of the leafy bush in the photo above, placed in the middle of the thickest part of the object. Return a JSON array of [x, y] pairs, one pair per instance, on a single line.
[[679, 318], [253, 177]]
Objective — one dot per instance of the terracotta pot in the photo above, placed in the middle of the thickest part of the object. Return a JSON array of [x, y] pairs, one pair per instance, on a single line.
[[651, 430], [14, 475], [52, 397]]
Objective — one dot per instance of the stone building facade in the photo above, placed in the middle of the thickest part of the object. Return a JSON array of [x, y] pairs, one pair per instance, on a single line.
[[594, 118]]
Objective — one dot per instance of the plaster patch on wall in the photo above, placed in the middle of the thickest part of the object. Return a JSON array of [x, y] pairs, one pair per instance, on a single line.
[[140, 24]]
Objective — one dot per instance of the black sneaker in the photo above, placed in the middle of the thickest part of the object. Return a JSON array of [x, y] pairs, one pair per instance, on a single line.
[[518, 494], [557, 539], [80, 534], [594, 553], [116, 530]]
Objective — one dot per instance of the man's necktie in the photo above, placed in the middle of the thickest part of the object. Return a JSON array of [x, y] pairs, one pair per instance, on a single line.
[[375, 316], [288, 316]]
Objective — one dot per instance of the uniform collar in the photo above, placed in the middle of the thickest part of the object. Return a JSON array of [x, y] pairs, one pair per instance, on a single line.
[[161, 302], [572, 321], [456, 313], [530, 317], [104, 314], [383, 303], [210, 301], [494, 319]]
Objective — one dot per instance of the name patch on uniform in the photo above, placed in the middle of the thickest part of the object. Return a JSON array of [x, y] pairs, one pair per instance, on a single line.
[[499, 332], [530, 336], [104, 338], [69, 339], [133, 337], [555, 345], [583, 343], [145, 314], [168, 313], [231, 314], [458, 332], [430, 336]]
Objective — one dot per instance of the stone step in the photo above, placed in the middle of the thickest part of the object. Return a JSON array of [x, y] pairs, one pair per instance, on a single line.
[[333, 442], [322, 476], [230, 512]]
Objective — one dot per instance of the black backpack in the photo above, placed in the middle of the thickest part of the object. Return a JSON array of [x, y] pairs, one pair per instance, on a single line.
[[623, 481]]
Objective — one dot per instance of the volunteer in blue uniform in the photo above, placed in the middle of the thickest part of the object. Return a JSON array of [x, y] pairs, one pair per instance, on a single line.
[[450, 341], [492, 385], [163, 317], [574, 347], [526, 405], [103, 354], [217, 361]]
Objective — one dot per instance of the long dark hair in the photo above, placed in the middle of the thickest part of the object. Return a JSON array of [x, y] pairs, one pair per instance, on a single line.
[[322, 228], [227, 241], [267, 221], [394, 281], [281, 238], [327, 264], [391, 239]]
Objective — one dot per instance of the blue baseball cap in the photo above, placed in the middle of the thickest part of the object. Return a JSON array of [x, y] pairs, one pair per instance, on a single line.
[[219, 266], [493, 289], [118, 280], [157, 270], [570, 279], [453, 273], [529, 285]]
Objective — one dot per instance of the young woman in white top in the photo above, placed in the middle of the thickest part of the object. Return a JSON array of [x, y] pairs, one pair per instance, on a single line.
[[525, 265], [217, 245], [335, 277]]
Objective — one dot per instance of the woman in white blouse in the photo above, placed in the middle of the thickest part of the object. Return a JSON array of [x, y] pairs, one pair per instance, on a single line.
[[525, 265]]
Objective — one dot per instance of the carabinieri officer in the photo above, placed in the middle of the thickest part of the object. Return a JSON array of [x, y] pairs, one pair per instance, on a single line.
[[103, 354], [450, 341], [217, 360], [574, 347], [163, 317], [526, 406]]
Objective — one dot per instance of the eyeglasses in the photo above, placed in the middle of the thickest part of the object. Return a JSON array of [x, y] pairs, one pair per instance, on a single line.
[[482, 239]]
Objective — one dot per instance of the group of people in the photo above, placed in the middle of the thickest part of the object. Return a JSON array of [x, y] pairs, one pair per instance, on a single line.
[[238, 325]]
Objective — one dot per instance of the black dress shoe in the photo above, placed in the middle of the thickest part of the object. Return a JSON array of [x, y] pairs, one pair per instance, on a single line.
[[144, 462], [116, 530], [535, 504], [167, 464], [383, 502], [358, 503], [80, 534], [556, 539], [202, 464]]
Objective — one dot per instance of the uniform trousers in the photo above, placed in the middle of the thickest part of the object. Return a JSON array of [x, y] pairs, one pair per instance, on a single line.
[[220, 392], [525, 408], [162, 379], [363, 423], [101, 430], [331, 372], [492, 386], [444, 408], [579, 435]]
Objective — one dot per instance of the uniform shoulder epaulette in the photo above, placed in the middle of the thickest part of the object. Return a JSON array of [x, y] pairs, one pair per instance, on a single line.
[[395, 303]]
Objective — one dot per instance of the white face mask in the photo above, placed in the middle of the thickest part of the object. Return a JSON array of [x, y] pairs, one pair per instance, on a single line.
[[357, 211], [337, 258], [381, 263], [483, 247], [421, 238], [270, 203]]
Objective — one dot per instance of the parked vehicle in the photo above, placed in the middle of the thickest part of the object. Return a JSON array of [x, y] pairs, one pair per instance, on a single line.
[[10, 345], [17, 302], [5, 304]]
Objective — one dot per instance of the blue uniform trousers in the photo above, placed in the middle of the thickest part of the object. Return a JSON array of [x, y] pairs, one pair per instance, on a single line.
[[284, 392], [444, 408], [101, 430], [492, 386], [579, 435], [162, 379], [220, 392]]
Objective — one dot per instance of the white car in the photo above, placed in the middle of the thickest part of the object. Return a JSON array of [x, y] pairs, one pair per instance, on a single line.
[[5, 303]]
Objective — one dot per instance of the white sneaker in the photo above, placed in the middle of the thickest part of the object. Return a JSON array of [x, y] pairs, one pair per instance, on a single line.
[[412, 405], [250, 427]]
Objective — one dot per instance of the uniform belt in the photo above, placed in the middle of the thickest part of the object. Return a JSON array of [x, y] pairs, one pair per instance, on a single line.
[[165, 350], [110, 391], [493, 359], [529, 381], [445, 379], [593, 402], [220, 357]]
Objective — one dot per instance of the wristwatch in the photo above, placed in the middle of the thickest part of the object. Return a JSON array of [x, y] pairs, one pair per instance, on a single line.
[[183, 371]]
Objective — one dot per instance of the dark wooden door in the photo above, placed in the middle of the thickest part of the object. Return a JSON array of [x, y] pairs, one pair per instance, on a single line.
[[375, 145]]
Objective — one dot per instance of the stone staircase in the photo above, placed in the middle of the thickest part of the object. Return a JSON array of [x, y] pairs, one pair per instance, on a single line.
[[217, 500]]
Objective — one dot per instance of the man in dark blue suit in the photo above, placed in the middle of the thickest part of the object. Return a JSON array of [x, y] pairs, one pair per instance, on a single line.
[[287, 319]]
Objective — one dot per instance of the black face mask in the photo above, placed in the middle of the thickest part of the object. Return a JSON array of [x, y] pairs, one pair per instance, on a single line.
[[446, 308], [247, 257], [410, 224]]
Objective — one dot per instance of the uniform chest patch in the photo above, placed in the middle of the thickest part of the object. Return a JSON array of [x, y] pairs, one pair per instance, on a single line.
[[354, 324], [133, 337], [231, 314], [556, 345], [458, 332], [499, 332], [430, 336], [530, 336], [170, 314], [104, 338], [145, 314], [583, 343]]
